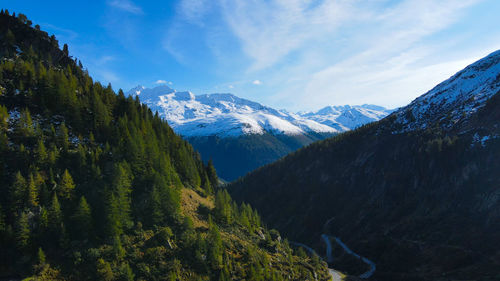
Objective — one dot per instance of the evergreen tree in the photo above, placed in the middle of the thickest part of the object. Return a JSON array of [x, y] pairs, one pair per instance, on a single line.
[[121, 188], [212, 174], [223, 208], [41, 256], [25, 126], [66, 186], [113, 225], [41, 152], [64, 137], [215, 247], [18, 191], [104, 271], [22, 231], [82, 220], [55, 219], [4, 117], [65, 50], [31, 192]]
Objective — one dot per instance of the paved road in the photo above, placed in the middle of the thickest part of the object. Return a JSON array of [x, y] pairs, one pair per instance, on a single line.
[[365, 275], [325, 237]]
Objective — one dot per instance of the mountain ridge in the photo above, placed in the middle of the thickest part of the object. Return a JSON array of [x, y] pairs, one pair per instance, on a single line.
[[227, 115], [415, 193]]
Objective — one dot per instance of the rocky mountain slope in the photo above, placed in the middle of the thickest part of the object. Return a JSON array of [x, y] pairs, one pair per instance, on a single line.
[[417, 193], [241, 135]]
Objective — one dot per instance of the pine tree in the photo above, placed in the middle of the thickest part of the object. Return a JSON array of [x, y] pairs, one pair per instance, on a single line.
[[113, 225], [83, 219], [126, 272], [32, 192], [17, 192], [41, 152], [4, 117], [121, 185], [55, 216], [64, 137], [212, 174], [223, 208], [65, 50], [104, 271], [215, 247], [41, 256], [66, 185], [25, 126], [22, 231]]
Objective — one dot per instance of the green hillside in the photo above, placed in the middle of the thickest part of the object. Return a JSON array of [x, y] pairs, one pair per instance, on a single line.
[[96, 187]]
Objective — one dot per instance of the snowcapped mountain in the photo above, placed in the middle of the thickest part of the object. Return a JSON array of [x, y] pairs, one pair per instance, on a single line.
[[455, 99], [226, 115]]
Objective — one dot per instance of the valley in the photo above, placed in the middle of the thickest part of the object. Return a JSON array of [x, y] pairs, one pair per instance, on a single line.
[[160, 184], [240, 135]]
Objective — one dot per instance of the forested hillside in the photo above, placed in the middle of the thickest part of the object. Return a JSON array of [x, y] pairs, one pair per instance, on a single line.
[[236, 156], [416, 193], [94, 186]]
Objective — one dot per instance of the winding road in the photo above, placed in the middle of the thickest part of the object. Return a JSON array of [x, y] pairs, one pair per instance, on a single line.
[[329, 256]]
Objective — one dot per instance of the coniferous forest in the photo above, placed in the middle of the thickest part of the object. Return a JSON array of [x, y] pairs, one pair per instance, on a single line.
[[95, 186]]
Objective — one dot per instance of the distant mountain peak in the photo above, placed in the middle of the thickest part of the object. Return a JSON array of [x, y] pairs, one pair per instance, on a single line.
[[136, 90], [227, 115]]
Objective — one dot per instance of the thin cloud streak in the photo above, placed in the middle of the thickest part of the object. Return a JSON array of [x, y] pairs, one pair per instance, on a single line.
[[127, 6], [334, 52]]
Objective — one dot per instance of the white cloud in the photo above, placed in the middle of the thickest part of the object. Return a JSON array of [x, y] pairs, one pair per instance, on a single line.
[[161, 82], [230, 87], [127, 6], [344, 51], [270, 30], [193, 10]]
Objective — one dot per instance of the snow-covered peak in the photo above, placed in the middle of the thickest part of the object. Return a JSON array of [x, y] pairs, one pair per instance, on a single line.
[[456, 98], [136, 90], [348, 117], [226, 115]]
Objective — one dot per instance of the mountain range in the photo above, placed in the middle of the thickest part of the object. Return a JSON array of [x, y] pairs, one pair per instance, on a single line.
[[241, 135], [415, 194]]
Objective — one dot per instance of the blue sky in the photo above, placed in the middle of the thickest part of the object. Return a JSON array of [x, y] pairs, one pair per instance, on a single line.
[[291, 54]]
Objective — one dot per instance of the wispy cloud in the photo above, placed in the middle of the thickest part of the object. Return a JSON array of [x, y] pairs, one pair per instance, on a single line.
[[324, 51], [61, 33], [193, 10], [163, 82], [270, 30], [257, 82], [126, 5]]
